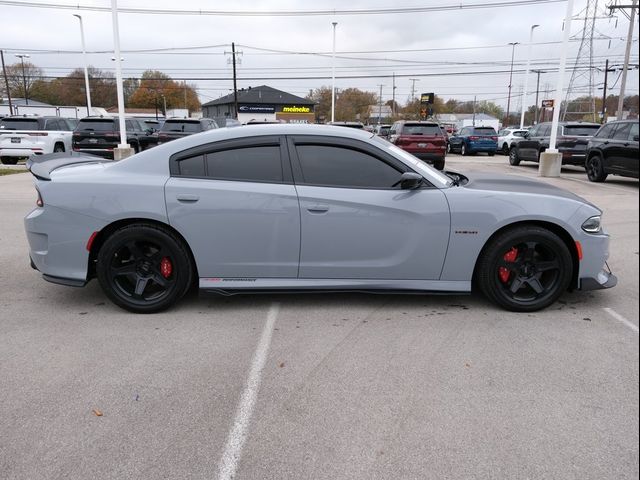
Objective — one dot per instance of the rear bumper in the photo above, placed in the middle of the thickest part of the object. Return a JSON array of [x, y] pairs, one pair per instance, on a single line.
[[20, 152], [429, 157], [101, 152], [474, 147]]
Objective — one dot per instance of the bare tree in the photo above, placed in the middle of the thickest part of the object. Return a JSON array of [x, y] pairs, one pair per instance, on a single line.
[[22, 79]]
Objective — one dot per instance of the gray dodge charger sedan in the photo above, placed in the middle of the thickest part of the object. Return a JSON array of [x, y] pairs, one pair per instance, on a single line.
[[281, 208]]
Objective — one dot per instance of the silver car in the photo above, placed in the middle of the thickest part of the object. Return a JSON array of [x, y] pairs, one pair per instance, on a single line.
[[298, 208]]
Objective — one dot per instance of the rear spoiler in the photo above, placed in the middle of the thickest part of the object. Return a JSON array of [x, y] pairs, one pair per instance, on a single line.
[[42, 166]]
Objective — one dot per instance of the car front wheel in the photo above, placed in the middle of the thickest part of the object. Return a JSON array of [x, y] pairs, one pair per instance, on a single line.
[[144, 268], [525, 269], [505, 149], [463, 149], [595, 169], [514, 158]]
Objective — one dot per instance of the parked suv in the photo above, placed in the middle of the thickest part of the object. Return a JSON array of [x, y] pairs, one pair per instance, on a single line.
[[571, 142], [506, 137], [23, 137], [613, 150], [100, 135], [181, 127], [472, 140], [424, 140]]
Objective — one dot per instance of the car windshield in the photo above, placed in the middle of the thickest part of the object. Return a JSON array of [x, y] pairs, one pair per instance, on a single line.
[[97, 125], [181, 126], [484, 131], [417, 129], [581, 130], [19, 124]]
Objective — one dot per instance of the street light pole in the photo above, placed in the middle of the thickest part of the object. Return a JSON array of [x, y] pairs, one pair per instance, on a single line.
[[535, 120], [333, 75], [22, 56], [513, 51], [526, 77], [120, 91], [86, 71]]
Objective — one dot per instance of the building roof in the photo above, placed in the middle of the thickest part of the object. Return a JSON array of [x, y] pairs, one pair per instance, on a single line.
[[261, 95], [22, 102], [456, 117]]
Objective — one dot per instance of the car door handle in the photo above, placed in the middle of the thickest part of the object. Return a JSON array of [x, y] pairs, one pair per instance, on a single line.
[[318, 209], [187, 198]]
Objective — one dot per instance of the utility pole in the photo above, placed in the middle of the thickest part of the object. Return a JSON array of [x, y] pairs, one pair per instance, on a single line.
[[513, 51], [6, 82], [393, 96], [333, 75], [413, 87], [627, 52], [536, 119], [604, 91], [235, 85], [380, 104], [22, 56], [473, 121]]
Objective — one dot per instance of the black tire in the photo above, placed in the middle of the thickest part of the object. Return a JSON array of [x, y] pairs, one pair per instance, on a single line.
[[9, 160], [595, 169], [525, 269], [505, 149], [463, 150], [491, 154], [514, 158], [58, 148], [144, 268], [439, 164]]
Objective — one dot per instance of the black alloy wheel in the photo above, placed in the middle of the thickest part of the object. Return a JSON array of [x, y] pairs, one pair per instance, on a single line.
[[144, 268], [595, 169], [525, 269], [514, 158], [9, 160]]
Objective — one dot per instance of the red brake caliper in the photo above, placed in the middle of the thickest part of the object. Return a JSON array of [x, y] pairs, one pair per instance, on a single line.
[[504, 272], [166, 267]]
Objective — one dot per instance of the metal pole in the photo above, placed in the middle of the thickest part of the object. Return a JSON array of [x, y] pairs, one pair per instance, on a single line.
[[604, 91], [536, 119], [526, 77], [393, 96], [473, 121], [86, 70], [333, 75], [6, 82], [623, 82], [513, 51], [413, 87], [380, 105], [563, 63], [235, 84], [119, 89]]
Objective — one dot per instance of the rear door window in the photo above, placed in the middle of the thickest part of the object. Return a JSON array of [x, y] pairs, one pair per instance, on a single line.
[[633, 134], [249, 164], [605, 131], [622, 131]]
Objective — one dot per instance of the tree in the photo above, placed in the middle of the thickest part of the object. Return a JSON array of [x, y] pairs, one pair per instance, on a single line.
[[22, 79], [322, 98], [157, 88], [353, 104]]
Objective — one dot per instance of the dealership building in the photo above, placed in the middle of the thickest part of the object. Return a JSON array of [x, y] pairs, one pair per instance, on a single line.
[[262, 104]]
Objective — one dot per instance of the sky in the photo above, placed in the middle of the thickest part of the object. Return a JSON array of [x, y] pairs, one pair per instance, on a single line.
[[443, 51]]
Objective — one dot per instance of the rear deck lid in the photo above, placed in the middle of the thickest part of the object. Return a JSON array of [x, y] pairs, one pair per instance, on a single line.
[[41, 167]]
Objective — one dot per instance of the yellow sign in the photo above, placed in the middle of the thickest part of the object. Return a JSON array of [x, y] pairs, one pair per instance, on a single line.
[[295, 109]]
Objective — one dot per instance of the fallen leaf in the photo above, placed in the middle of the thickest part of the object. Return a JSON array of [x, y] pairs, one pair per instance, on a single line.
[[468, 365], [281, 365], [97, 412]]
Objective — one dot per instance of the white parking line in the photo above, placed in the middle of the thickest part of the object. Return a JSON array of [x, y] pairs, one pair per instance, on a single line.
[[238, 434], [621, 319]]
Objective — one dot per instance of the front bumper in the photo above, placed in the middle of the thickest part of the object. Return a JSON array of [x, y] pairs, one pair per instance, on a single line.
[[604, 279]]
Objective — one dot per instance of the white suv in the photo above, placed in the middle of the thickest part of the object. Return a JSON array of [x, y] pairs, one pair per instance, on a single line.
[[506, 137], [23, 137]]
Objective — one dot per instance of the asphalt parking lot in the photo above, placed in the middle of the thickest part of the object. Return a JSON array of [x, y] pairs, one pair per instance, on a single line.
[[321, 386]]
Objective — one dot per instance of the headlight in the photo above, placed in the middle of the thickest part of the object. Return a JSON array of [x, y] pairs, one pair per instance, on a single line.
[[592, 224]]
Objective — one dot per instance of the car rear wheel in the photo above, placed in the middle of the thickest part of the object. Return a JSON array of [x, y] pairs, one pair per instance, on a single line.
[[514, 158], [58, 148], [439, 164], [463, 149], [8, 160], [144, 268], [595, 169], [525, 269], [505, 149]]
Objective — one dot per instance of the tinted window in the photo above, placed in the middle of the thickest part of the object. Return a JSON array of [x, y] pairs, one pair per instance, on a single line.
[[417, 129], [519, 133], [544, 130], [622, 131], [180, 126], [344, 167], [484, 131], [192, 166], [253, 164], [633, 134], [581, 130], [98, 125], [605, 131], [19, 123]]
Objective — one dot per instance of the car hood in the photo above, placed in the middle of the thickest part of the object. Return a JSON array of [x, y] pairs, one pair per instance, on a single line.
[[517, 184]]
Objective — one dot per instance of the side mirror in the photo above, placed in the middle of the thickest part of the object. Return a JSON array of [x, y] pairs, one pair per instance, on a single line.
[[410, 181]]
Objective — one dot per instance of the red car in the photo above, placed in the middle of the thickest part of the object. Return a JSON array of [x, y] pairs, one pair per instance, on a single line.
[[425, 140]]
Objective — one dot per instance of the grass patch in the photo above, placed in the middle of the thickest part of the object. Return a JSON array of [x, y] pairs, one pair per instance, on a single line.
[[10, 171]]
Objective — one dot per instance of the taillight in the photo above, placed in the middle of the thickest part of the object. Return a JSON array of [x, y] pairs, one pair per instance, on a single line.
[[474, 138], [493, 137], [39, 201]]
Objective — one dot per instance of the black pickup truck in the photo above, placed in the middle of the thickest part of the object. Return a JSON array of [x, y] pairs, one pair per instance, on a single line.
[[571, 142]]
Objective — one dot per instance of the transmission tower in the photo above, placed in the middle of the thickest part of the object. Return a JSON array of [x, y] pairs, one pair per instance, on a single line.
[[582, 77]]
